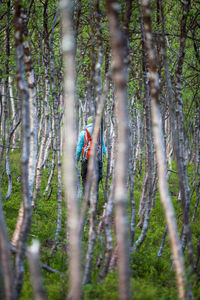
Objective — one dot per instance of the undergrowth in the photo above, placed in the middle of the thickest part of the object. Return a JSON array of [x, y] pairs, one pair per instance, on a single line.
[[151, 277]]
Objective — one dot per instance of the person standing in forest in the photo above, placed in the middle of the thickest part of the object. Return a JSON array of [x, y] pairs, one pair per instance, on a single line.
[[84, 150]]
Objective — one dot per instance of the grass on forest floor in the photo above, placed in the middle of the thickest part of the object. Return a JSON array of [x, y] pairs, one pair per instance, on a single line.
[[151, 277]]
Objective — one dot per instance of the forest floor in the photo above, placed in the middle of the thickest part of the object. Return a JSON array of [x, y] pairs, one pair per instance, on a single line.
[[151, 277]]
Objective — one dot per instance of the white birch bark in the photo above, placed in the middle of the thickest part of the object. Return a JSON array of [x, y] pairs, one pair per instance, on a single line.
[[57, 136], [46, 131], [41, 125], [109, 142], [162, 243], [120, 193], [180, 151], [160, 155], [33, 253], [9, 142], [92, 229], [53, 162], [132, 158], [108, 235], [92, 161], [25, 228], [33, 113], [149, 158], [91, 190], [139, 141], [12, 102], [47, 149], [44, 138], [196, 171], [4, 113], [69, 149], [33, 129], [5, 260]]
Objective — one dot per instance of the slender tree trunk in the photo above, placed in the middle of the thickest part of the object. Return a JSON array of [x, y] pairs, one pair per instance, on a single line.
[[69, 148], [90, 195], [10, 136], [7, 98], [160, 153], [109, 144], [5, 260], [196, 171], [139, 141], [180, 152], [92, 229], [53, 163], [91, 164], [13, 110], [148, 185], [132, 130], [21, 247], [57, 138], [46, 131], [120, 193], [162, 243], [36, 276], [33, 109], [33, 127], [108, 236]]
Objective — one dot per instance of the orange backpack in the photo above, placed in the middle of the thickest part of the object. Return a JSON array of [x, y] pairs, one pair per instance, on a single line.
[[87, 148]]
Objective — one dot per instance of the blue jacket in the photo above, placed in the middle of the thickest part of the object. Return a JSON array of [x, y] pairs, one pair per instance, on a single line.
[[80, 144]]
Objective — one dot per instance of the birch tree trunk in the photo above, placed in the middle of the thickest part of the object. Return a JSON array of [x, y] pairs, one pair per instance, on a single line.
[[109, 143], [10, 136], [160, 154], [13, 109], [139, 141], [69, 150], [23, 237], [120, 193], [4, 113], [57, 137], [196, 171], [92, 164], [180, 152], [132, 145], [33, 254], [33, 127], [108, 236], [33, 109], [147, 193], [5, 260], [46, 131], [90, 195]]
